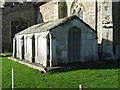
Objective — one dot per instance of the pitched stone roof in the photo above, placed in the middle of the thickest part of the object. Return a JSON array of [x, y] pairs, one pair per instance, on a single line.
[[47, 26]]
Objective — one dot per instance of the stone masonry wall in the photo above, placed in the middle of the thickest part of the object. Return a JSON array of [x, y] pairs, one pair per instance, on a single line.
[[88, 13], [47, 11], [116, 29], [53, 10], [0, 30], [26, 11], [99, 22]]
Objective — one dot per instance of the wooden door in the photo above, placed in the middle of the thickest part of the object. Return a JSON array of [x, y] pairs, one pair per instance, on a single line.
[[74, 45]]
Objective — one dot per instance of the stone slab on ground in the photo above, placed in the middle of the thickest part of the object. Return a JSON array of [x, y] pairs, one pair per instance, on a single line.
[[32, 65], [5, 55]]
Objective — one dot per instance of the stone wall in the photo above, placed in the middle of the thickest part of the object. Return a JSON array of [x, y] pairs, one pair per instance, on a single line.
[[107, 14], [25, 11], [116, 28], [107, 30], [89, 13], [53, 10], [103, 17], [116, 17], [0, 30], [99, 22], [62, 9], [86, 36], [47, 11], [89, 10]]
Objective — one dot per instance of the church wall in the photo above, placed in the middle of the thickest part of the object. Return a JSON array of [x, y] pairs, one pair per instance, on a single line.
[[0, 30], [99, 21], [26, 12], [62, 9], [89, 11], [53, 10], [108, 36], [116, 28], [107, 31], [47, 11], [99, 16]]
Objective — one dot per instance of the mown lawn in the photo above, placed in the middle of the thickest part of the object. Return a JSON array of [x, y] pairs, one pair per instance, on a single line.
[[26, 77]]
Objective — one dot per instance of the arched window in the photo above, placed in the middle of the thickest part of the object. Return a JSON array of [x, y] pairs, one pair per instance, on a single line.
[[77, 9], [18, 25]]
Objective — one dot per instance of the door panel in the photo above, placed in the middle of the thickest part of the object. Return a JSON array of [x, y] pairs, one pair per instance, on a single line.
[[74, 45]]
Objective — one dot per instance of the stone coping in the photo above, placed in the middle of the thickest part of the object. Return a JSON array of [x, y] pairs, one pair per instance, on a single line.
[[42, 69], [5, 55], [32, 65]]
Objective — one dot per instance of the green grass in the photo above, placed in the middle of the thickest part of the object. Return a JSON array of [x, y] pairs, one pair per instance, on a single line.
[[7, 53], [26, 77], [0, 72]]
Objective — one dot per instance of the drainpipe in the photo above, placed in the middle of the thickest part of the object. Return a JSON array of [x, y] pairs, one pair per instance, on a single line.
[[50, 49]]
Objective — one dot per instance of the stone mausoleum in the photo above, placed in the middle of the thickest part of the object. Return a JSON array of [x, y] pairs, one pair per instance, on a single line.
[[102, 16], [57, 42]]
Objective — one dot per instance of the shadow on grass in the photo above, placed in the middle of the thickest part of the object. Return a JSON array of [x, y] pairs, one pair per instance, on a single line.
[[108, 64]]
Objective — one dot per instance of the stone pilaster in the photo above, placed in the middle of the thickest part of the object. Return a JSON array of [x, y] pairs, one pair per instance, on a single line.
[[14, 47], [107, 31]]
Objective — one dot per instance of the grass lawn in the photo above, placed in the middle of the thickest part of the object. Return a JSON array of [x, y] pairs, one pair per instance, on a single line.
[[26, 77], [0, 72]]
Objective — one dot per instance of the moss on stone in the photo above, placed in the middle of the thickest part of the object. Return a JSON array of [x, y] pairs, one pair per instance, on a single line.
[[41, 24]]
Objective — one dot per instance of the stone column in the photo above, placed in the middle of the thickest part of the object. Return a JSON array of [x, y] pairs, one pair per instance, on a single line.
[[17, 47], [30, 52], [45, 60], [21, 47], [14, 47], [25, 43], [32, 48], [36, 46]]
